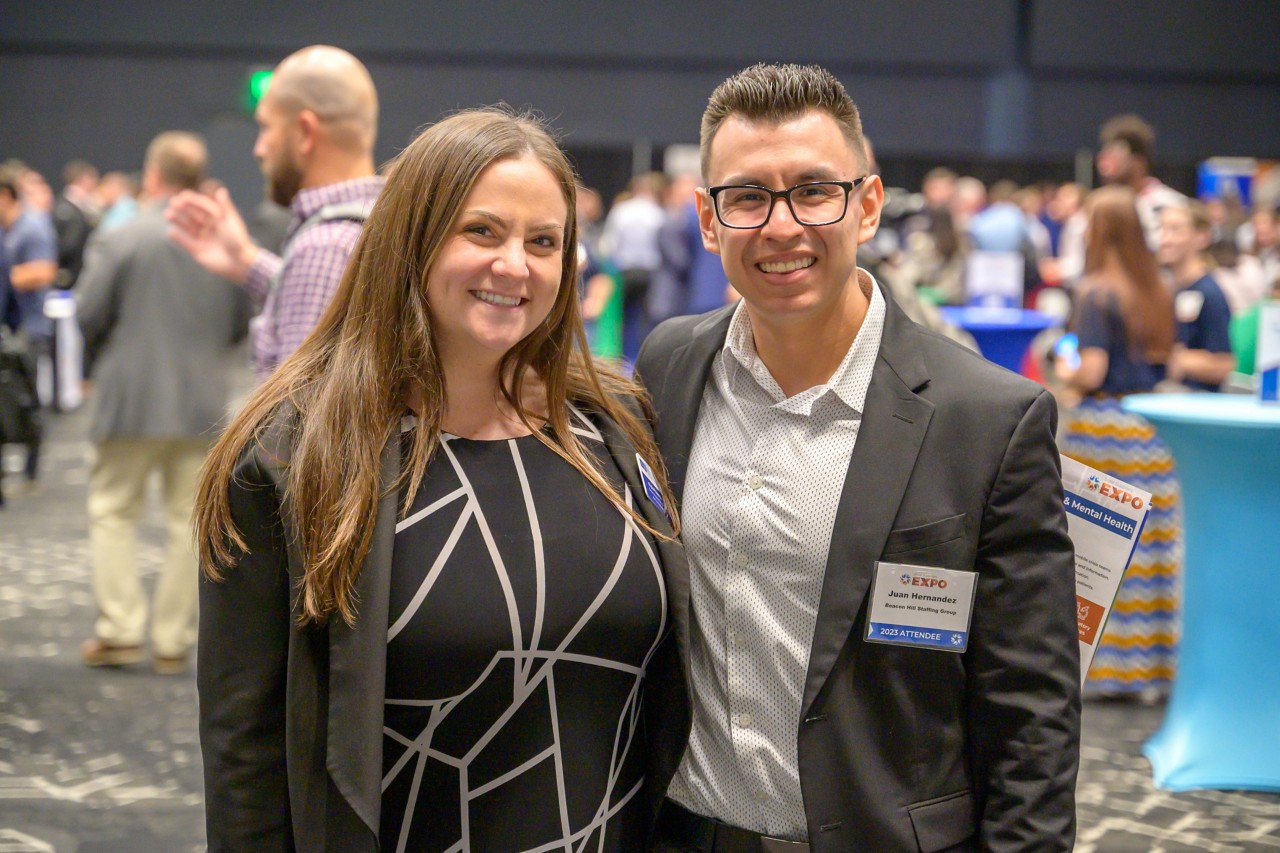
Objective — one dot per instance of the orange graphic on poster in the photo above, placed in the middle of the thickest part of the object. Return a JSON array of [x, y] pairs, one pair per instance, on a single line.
[[1088, 618]]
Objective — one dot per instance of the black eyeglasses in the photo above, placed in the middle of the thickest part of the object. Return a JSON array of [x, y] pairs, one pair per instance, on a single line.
[[812, 203]]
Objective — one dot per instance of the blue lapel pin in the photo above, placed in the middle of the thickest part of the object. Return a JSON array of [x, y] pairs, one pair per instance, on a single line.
[[650, 482]]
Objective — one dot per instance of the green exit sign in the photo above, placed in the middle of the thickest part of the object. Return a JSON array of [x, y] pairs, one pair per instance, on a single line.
[[257, 85]]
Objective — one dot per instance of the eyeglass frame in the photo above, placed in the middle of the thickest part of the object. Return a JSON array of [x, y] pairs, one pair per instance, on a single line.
[[785, 195]]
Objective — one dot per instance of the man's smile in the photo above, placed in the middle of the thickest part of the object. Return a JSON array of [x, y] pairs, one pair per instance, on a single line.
[[787, 266]]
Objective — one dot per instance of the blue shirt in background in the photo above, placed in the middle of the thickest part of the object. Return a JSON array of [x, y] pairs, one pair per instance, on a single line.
[[30, 238], [1204, 318]]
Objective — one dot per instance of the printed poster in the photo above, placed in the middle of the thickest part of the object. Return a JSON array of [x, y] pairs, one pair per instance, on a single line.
[[1104, 519]]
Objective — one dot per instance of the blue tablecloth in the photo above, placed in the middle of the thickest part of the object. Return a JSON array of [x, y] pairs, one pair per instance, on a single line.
[[1222, 725], [1003, 334]]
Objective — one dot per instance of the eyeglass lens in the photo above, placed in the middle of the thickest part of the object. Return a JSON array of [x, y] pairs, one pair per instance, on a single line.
[[812, 204]]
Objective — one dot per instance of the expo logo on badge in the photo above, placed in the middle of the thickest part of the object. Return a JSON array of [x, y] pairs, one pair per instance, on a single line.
[[925, 580]]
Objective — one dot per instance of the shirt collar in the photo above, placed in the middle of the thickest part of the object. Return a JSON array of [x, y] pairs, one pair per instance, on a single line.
[[309, 201], [847, 383]]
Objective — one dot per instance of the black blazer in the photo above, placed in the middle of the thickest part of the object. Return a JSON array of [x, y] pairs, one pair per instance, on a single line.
[[955, 466], [291, 715]]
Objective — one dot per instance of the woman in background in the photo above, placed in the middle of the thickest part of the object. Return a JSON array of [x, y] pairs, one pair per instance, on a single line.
[[1124, 321], [432, 548]]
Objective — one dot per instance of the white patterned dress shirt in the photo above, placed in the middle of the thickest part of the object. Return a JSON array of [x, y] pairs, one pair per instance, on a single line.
[[765, 476]]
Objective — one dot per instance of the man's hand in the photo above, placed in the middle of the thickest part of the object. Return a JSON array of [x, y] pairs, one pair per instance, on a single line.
[[33, 275], [211, 230]]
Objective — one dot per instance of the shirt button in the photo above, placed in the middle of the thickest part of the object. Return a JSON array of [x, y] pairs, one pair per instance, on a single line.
[[744, 720], [754, 482], [740, 559]]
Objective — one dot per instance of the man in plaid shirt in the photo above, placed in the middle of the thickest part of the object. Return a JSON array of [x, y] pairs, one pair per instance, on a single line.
[[317, 124]]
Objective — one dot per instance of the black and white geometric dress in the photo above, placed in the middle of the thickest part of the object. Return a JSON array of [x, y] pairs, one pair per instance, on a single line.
[[524, 607]]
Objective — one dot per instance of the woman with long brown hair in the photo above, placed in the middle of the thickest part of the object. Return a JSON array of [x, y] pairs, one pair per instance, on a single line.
[[1123, 318], [433, 541]]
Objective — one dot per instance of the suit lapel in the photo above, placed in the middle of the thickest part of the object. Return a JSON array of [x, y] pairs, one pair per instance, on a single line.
[[681, 396], [894, 423], [358, 664], [675, 567]]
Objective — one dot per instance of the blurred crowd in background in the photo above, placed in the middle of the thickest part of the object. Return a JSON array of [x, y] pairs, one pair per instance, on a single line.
[[642, 257]]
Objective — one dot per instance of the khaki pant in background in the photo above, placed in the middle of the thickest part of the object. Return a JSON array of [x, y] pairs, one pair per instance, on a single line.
[[117, 489]]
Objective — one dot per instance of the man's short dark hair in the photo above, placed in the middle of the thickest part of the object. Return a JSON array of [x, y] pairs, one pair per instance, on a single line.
[[180, 157], [772, 94], [1002, 190], [939, 173], [77, 169], [9, 181], [1129, 129]]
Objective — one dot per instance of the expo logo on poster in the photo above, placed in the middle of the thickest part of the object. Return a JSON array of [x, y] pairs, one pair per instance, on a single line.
[[1115, 493]]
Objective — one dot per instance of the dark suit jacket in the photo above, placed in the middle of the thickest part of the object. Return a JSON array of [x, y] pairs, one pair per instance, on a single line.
[[955, 466], [291, 715], [73, 227]]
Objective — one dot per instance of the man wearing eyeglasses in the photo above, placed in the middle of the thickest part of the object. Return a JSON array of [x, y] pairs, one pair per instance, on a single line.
[[833, 460]]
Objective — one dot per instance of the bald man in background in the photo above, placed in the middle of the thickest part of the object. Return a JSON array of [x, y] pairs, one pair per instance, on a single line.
[[317, 124]]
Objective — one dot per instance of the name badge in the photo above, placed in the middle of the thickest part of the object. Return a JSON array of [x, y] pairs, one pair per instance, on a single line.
[[921, 606], [1187, 305], [651, 485]]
